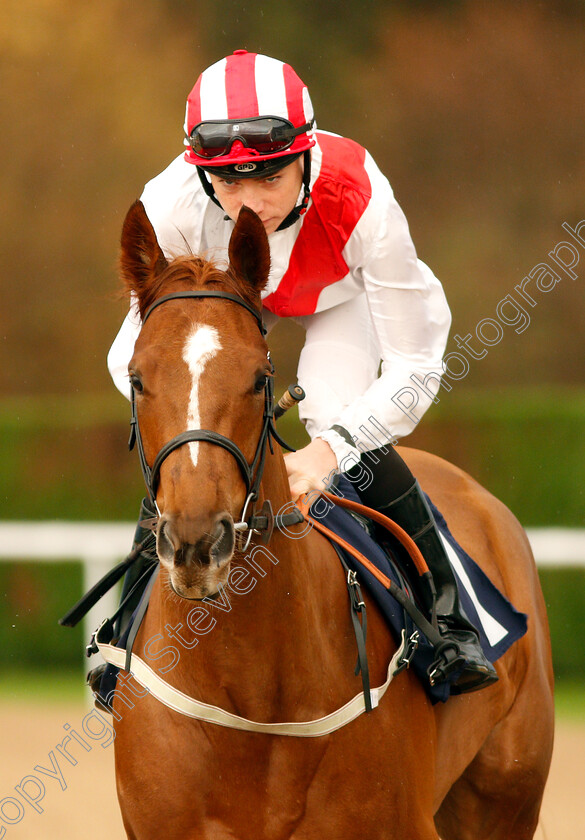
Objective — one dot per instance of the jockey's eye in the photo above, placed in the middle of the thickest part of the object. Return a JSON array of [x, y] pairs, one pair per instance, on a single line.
[[136, 383]]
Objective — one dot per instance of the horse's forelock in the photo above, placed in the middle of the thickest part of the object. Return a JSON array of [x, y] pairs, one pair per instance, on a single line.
[[190, 272], [147, 274]]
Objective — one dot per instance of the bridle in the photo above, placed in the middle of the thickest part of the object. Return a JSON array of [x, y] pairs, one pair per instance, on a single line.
[[251, 472]]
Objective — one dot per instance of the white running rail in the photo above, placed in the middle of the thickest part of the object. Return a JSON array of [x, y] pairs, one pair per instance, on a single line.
[[98, 546]]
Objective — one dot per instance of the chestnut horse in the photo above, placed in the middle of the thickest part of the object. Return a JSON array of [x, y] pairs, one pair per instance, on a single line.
[[274, 642]]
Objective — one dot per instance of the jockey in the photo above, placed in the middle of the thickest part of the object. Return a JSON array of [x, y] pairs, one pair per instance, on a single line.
[[343, 265]]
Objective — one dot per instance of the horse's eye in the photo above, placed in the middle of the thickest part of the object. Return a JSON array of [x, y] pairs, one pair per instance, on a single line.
[[260, 383], [136, 383]]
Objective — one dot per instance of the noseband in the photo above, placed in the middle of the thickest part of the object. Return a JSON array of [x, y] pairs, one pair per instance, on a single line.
[[251, 472]]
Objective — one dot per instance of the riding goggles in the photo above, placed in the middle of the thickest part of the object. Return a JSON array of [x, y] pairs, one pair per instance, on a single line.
[[265, 135]]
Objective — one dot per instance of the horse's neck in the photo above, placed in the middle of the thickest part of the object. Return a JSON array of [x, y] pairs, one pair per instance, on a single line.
[[275, 485], [282, 558], [242, 629]]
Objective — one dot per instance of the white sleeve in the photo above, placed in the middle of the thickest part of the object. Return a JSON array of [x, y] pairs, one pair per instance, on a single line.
[[410, 319], [176, 205], [122, 349]]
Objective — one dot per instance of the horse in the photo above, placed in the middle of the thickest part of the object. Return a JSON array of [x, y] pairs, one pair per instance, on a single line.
[[257, 624]]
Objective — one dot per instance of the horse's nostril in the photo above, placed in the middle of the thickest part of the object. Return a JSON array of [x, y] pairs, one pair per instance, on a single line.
[[164, 545], [182, 542], [224, 544]]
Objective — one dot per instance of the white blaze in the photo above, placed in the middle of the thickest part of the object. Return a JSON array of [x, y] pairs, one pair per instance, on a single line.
[[200, 347]]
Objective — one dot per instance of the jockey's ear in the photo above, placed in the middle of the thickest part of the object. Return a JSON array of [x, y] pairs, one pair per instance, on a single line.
[[141, 258], [249, 251]]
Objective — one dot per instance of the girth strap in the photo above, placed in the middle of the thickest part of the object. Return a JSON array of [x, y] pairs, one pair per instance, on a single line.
[[357, 609]]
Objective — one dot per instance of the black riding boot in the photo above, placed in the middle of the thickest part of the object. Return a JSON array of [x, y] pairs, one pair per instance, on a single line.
[[393, 490], [412, 512]]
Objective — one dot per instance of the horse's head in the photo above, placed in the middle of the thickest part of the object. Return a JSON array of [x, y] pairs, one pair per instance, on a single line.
[[200, 363]]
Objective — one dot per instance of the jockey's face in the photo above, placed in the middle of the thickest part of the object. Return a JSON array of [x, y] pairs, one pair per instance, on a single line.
[[271, 198]]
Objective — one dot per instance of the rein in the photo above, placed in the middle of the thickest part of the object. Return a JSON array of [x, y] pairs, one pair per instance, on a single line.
[[251, 472]]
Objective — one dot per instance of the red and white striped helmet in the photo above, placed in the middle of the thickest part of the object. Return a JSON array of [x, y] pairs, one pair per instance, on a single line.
[[242, 87]]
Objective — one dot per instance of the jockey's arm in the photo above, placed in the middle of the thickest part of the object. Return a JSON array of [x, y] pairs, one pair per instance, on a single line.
[[401, 320]]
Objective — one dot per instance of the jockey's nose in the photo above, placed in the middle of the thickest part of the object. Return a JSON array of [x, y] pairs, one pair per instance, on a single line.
[[252, 197]]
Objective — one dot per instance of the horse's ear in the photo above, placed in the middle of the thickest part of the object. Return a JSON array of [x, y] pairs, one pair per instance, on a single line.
[[141, 257], [249, 251]]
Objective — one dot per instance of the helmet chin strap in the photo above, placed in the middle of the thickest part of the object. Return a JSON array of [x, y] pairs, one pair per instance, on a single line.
[[294, 214]]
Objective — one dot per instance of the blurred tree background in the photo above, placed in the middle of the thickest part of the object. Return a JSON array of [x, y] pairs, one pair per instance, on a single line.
[[474, 110]]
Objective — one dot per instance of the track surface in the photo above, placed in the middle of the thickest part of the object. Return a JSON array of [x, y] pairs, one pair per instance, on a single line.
[[87, 807]]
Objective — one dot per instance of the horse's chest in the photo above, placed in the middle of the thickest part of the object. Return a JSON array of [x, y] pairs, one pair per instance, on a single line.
[[225, 784]]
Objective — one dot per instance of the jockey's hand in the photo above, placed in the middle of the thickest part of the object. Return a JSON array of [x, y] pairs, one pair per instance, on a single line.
[[310, 468]]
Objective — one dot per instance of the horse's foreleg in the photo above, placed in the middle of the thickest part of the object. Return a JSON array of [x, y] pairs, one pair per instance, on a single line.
[[470, 813], [500, 793]]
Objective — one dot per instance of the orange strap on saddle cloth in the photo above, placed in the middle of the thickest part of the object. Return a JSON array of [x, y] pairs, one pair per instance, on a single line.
[[304, 504]]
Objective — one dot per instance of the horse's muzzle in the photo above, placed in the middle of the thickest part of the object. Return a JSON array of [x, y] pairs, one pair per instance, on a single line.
[[196, 553]]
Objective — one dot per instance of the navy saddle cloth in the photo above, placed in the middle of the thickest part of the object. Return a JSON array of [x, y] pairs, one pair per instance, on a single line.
[[499, 624]]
